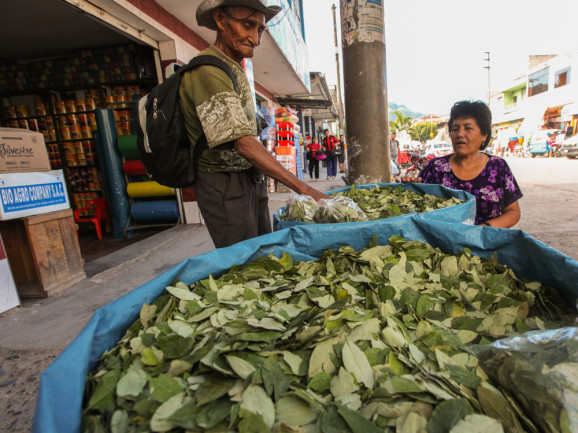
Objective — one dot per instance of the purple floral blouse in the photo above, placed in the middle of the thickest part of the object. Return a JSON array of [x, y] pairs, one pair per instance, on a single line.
[[495, 188]]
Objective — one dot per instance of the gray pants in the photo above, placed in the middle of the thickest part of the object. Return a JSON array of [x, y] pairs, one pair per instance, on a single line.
[[234, 207]]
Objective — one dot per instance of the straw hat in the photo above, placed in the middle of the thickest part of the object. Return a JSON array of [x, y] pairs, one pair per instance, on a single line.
[[205, 10]]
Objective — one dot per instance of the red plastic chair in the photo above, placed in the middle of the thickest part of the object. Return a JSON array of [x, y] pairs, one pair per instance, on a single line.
[[100, 213]]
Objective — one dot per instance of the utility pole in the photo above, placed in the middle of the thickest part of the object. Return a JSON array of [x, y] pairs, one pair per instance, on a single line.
[[366, 113], [339, 103], [487, 59]]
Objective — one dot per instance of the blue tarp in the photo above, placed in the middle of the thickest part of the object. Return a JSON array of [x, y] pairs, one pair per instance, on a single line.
[[461, 213], [62, 383]]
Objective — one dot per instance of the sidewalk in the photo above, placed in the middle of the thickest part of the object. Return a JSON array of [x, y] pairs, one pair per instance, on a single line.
[[35, 333]]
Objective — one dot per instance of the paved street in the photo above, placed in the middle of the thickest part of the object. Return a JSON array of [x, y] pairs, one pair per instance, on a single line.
[[33, 335], [550, 202]]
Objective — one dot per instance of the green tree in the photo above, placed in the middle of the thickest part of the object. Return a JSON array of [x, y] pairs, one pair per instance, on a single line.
[[400, 123], [422, 131]]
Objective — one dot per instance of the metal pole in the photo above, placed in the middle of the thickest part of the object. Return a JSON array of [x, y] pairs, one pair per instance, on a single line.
[[339, 100], [364, 71], [487, 59]]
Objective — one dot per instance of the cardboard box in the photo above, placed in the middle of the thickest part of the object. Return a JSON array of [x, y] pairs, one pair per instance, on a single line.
[[22, 151], [26, 194]]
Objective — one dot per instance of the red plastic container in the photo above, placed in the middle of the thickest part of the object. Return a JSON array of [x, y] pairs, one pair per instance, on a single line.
[[285, 135], [285, 126], [285, 142]]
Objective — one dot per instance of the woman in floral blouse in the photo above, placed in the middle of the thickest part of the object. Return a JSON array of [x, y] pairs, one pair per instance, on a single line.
[[487, 177]]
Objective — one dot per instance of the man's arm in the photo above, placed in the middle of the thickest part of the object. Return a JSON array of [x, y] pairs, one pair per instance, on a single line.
[[254, 152]]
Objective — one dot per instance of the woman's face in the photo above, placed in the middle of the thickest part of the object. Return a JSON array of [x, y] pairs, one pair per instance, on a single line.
[[466, 136]]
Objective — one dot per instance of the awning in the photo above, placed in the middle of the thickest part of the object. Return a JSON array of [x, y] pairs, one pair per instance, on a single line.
[[533, 121], [568, 111], [553, 111]]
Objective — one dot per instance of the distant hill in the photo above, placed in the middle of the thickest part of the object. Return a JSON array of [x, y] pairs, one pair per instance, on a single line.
[[406, 111]]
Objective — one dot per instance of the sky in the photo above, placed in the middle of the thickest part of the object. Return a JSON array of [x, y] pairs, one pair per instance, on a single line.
[[436, 50]]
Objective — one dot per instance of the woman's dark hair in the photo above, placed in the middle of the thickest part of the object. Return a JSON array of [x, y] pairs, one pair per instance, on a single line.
[[477, 110]]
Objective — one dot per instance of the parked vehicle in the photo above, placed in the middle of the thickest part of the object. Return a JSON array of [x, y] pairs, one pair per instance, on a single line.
[[439, 148], [569, 148], [538, 144]]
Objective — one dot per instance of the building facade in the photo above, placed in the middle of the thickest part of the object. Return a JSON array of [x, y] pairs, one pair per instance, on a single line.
[[544, 98]]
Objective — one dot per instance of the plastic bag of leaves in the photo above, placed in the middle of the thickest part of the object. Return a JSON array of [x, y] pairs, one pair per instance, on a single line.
[[539, 370], [300, 208], [340, 209]]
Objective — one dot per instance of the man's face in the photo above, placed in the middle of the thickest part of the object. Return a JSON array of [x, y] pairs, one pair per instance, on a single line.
[[241, 29]]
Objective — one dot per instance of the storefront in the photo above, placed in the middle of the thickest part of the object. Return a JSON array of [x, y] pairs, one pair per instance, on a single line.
[[569, 117], [55, 73], [103, 55]]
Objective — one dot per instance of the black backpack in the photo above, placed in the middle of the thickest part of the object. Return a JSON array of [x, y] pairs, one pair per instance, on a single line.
[[162, 140]]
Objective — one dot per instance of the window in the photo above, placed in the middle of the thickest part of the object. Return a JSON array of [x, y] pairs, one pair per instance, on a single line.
[[538, 82], [562, 77]]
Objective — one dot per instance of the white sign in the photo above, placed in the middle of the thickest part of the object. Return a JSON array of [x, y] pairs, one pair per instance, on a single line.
[[25, 194], [8, 294]]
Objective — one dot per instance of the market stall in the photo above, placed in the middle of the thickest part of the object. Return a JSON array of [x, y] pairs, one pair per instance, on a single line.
[[59, 406]]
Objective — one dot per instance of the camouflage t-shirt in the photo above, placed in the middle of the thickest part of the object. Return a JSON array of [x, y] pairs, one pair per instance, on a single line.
[[211, 105]]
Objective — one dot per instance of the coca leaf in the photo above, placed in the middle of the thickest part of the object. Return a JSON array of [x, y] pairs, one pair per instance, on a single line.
[[447, 414]]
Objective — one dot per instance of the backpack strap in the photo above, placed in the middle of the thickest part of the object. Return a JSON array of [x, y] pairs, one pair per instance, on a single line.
[[207, 59]]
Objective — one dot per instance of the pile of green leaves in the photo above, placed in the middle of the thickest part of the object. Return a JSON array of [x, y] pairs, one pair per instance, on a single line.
[[361, 342], [386, 202], [375, 203]]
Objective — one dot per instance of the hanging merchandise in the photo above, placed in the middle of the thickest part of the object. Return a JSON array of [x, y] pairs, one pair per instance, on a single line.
[[287, 153], [148, 189], [133, 168], [157, 211], [113, 177], [127, 146], [268, 115]]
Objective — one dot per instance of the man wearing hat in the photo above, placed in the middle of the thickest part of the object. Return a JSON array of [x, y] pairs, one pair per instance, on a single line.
[[230, 191]]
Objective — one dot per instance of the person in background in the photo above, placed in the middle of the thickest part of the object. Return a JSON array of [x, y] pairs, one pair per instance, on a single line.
[[330, 144], [230, 188], [394, 149], [341, 155], [469, 169], [305, 143], [551, 144], [312, 150]]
